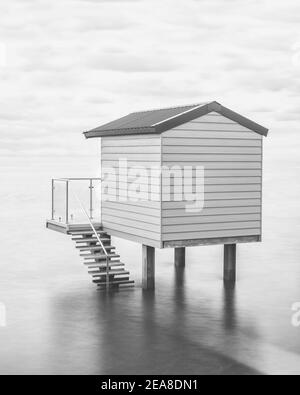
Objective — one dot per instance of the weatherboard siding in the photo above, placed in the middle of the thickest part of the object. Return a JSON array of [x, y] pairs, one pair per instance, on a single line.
[[137, 220], [232, 159]]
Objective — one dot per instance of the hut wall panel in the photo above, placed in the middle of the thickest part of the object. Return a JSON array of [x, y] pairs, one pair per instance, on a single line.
[[225, 173], [220, 165], [203, 219], [232, 158], [140, 219], [201, 157], [213, 188], [212, 181], [223, 203], [175, 214], [210, 142], [170, 196], [196, 150], [134, 157], [211, 134], [211, 226], [133, 208]]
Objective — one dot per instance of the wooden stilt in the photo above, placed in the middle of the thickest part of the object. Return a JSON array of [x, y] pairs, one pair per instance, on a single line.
[[179, 257], [148, 267], [230, 263]]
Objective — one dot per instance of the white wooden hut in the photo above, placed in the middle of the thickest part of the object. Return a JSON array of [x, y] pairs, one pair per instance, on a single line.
[[182, 177]]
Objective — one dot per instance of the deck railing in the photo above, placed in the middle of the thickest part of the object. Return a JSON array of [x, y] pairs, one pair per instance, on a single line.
[[65, 209]]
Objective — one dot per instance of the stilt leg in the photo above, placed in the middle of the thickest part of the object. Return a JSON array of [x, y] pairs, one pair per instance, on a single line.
[[179, 257], [148, 267], [230, 263]]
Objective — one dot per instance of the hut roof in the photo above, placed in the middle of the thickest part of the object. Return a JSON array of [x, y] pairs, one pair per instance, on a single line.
[[161, 120]]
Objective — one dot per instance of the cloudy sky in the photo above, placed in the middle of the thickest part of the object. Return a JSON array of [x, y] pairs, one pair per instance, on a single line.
[[70, 65]]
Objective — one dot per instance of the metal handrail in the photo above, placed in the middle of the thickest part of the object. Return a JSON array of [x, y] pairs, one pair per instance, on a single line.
[[98, 238], [90, 222]]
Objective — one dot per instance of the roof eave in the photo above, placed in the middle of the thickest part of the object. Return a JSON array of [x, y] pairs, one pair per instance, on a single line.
[[119, 132]]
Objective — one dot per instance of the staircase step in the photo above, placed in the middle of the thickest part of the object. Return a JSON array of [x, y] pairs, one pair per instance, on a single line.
[[87, 232], [93, 261], [102, 270], [93, 258], [112, 281], [103, 265], [90, 240], [111, 273], [94, 248], [100, 256], [125, 282]]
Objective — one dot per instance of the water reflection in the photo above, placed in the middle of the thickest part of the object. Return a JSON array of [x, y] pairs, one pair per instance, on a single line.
[[229, 309], [139, 332]]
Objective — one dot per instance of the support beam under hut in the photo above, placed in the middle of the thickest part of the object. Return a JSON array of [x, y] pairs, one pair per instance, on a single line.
[[230, 263], [148, 267], [179, 257]]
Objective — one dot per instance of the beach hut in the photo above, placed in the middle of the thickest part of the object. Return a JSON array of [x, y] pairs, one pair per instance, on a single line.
[[179, 177]]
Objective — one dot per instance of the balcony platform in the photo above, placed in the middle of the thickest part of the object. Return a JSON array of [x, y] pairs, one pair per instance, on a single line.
[[70, 227]]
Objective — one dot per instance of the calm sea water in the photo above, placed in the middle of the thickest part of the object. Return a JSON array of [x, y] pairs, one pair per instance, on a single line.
[[58, 323]]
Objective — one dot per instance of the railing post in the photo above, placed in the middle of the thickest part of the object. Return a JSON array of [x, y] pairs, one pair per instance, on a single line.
[[52, 203], [91, 198], [67, 202]]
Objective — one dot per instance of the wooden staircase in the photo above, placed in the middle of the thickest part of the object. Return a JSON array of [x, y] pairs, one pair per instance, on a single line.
[[104, 266]]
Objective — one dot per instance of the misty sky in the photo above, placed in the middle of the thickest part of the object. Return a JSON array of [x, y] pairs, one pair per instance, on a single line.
[[70, 65]]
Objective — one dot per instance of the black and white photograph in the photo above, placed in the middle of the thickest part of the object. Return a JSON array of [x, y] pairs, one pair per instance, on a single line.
[[149, 190]]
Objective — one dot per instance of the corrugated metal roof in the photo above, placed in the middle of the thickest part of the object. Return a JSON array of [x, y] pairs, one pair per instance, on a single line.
[[158, 121], [144, 119]]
